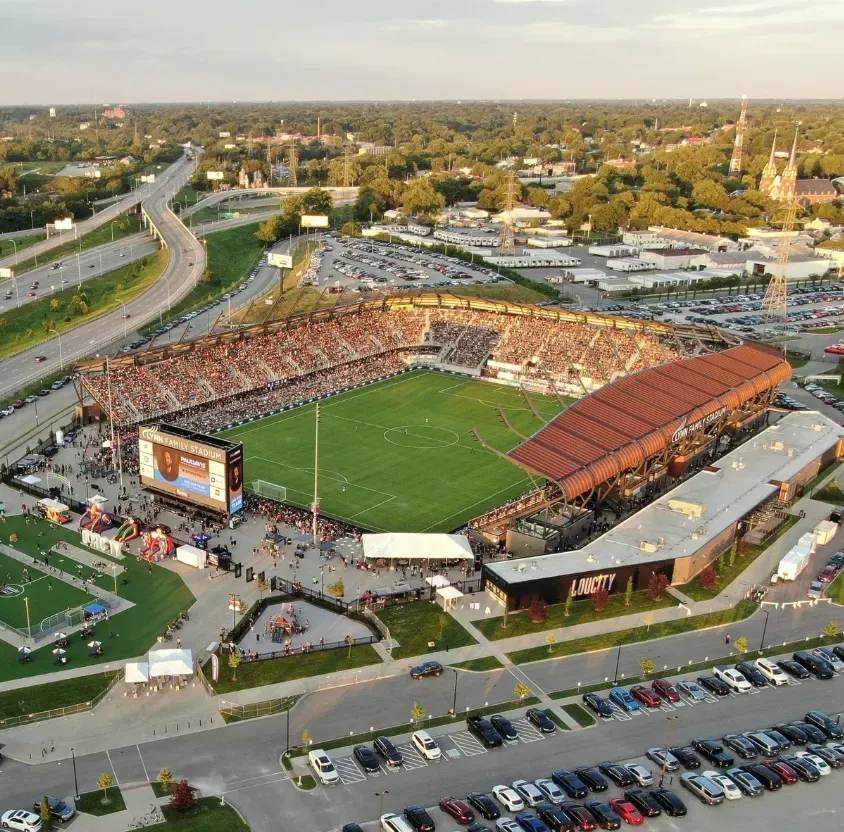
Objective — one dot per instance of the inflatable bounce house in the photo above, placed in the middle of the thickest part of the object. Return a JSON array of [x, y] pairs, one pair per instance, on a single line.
[[129, 530], [96, 518], [157, 545]]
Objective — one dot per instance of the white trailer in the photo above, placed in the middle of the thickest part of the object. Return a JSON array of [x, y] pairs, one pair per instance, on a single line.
[[611, 251], [191, 555], [793, 563]]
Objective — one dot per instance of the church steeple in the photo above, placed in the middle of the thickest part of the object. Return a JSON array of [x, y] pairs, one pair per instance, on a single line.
[[791, 167], [788, 182]]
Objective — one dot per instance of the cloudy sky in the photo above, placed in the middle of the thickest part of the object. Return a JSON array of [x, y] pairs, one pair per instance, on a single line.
[[102, 51]]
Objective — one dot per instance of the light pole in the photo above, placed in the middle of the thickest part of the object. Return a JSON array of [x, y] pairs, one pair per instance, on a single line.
[[75, 781], [454, 700], [617, 662], [32, 218], [381, 795], [61, 359], [16, 250], [670, 720], [764, 630], [125, 316], [111, 225]]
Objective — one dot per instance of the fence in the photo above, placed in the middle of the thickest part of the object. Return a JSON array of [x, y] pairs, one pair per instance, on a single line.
[[314, 648], [232, 712]]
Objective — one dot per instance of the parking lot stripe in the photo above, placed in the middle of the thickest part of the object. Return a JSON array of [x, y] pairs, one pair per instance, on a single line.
[[412, 758], [467, 743], [348, 771], [526, 731]]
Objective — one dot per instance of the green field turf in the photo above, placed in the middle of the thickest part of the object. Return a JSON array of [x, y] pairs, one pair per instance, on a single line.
[[398, 455]]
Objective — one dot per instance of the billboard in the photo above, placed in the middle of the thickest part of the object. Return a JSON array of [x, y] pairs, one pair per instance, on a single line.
[[280, 261], [215, 175], [4, 272], [148, 178], [192, 467], [314, 221], [65, 224]]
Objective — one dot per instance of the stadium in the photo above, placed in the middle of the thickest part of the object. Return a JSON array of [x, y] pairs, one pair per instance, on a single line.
[[438, 413]]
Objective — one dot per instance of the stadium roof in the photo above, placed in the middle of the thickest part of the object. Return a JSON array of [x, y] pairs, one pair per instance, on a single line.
[[621, 425]]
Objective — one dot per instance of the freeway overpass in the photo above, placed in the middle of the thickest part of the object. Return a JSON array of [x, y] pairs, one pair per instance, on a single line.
[[341, 196]]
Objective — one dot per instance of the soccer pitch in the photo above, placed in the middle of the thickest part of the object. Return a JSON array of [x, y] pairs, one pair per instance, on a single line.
[[398, 455]]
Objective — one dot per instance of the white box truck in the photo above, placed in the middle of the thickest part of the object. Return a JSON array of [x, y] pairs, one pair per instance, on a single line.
[[793, 563], [825, 531]]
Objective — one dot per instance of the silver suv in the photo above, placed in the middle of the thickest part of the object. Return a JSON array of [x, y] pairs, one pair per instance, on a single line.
[[704, 789]]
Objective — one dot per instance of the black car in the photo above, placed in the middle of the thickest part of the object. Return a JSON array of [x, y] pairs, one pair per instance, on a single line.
[[385, 748], [839, 648], [59, 810], [793, 669], [781, 740], [426, 669], [570, 783], [804, 768], [477, 827], [605, 817], [593, 778], [598, 704], [825, 723], [643, 801], [713, 751], [742, 746], [686, 755], [352, 827], [485, 805], [791, 732], [714, 685], [541, 720], [752, 674], [819, 668], [504, 727], [555, 818], [419, 819], [769, 779], [483, 730], [669, 802], [812, 732], [617, 773], [828, 755], [366, 757]]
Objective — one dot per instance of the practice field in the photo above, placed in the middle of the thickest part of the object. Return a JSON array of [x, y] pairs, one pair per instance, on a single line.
[[398, 455]]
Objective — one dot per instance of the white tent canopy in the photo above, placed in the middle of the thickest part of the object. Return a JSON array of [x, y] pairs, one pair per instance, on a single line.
[[29, 479], [437, 581], [169, 662], [449, 593], [416, 547], [136, 672]]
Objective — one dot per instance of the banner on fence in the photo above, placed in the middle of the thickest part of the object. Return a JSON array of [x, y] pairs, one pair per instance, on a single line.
[[215, 667]]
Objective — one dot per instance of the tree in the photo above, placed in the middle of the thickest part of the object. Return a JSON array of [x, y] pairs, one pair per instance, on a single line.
[[234, 664], [522, 691], [183, 798], [105, 782], [351, 229], [417, 712], [708, 578], [306, 738], [338, 589], [538, 611], [262, 586], [317, 201], [600, 599], [271, 230], [550, 640], [733, 553], [657, 586], [46, 816], [166, 779], [647, 666], [569, 600], [628, 592], [831, 629], [741, 644], [421, 198]]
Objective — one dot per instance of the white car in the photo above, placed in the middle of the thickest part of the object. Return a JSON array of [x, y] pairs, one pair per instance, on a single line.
[[730, 789], [641, 774], [529, 792], [507, 825], [425, 745], [732, 678], [771, 672], [395, 823], [22, 820], [7, 411], [508, 798], [550, 790], [324, 769], [821, 765]]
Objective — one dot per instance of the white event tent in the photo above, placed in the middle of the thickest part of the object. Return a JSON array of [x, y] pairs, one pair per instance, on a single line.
[[395, 548]]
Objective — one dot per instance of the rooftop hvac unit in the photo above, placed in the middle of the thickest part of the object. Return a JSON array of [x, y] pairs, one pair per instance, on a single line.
[[522, 567], [776, 445], [738, 466], [686, 507], [647, 546]]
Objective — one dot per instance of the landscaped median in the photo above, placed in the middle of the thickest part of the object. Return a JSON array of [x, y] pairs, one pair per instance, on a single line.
[[415, 626], [481, 665]]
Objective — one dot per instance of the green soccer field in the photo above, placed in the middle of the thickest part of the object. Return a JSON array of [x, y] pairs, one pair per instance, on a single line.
[[398, 455]]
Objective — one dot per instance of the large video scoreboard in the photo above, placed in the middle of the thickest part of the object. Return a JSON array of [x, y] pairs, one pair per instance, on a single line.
[[193, 467]]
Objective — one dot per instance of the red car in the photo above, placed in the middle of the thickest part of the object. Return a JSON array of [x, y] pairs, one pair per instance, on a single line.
[[835, 349], [784, 770], [645, 696], [459, 810], [581, 816], [666, 690], [827, 574], [627, 811]]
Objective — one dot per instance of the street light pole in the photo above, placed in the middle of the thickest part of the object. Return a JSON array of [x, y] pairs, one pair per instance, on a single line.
[[764, 629], [61, 359], [381, 795], [670, 720], [454, 701], [617, 662], [125, 316], [75, 781]]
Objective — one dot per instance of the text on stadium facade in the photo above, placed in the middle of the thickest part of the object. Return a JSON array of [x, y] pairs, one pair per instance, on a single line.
[[684, 430]]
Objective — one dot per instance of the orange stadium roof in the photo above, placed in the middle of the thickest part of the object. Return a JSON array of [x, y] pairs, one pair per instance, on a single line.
[[621, 425]]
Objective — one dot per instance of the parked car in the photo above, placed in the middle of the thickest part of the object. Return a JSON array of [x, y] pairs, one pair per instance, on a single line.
[[831, 754], [663, 758], [552, 792], [324, 769], [823, 768], [641, 774], [484, 731], [582, 817], [20, 820], [793, 669], [366, 757], [749, 785], [484, 804], [702, 788], [570, 783], [645, 696], [669, 802], [730, 789], [666, 690], [593, 778], [812, 732], [692, 689], [643, 801], [384, 747], [828, 655], [622, 699], [458, 809], [819, 668], [771, 671], [627, 811], [752, 674], [424, 743], [715, 685], [504, 727], [686, 756], [419, 819], [528, 792], [783, 770], [541, 720], [791, 732], [770, 780], [530, 823], [617, 773], [805, 769], [59, 810], [555, 818], [713, 751], [732, 678], [508, 798], [766, 745], [742, 746], [828, 725], [392, 822], [605, 817], [426, 669], [598, 704]]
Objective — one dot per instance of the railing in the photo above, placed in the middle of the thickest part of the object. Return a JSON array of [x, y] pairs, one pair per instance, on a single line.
[[232, 712], [303, 649]]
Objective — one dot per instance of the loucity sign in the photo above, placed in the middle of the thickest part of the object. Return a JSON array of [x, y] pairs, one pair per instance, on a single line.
[[592, 583]]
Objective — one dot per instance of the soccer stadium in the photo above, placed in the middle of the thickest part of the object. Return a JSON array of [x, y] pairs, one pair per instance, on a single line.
[[435, 412]]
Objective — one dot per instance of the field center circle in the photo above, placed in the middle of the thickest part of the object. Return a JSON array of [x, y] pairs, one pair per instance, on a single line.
[[10, 591], [421, 437]]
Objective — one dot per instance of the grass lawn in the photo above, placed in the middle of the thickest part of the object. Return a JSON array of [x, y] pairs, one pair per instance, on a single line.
[[579, 714], [831, 330], [414, 625], [830, 469], [125, 226], [482, 665], [190, 196], [27, 326], [498, 291], [7, 248], [159, 597], [582, 612], [835, 590], [208, 816], [160, 789], [797, 361], [727, 574], [830, 493], [742, 610], [38, 698], [272, 671], [398, 455], [91, 803]]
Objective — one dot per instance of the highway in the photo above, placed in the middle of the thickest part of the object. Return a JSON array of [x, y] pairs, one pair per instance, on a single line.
[[341, 196]]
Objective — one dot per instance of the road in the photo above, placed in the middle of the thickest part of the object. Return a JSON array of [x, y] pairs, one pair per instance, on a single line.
[[185, 265], [342, 196]]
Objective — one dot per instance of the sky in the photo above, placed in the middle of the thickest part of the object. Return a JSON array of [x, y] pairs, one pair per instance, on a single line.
[[102, 51]]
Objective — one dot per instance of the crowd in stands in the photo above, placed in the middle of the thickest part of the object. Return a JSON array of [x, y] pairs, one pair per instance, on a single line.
[[271, 369]]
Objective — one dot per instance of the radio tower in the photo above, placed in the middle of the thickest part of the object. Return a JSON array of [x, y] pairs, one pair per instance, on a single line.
[[735, 161], [508, 232], [346, 158], [775, 302], [291, 163]]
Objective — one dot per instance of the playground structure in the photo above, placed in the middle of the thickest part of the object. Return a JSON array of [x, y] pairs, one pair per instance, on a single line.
[[284, 625], [96, 518], [130, 529], [157, 545]]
